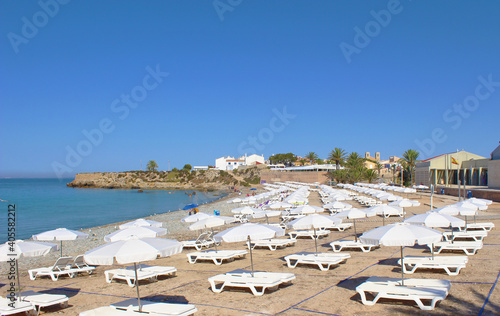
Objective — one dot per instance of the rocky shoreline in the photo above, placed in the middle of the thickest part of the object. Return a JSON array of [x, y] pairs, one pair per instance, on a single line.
[[204, 180]]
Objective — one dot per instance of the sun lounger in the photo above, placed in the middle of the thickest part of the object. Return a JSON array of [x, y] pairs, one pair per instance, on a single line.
[[308, 233], [477, 226], [286, 278], [420, 295], [341, 227], [59, 268], [128, 275], [216, 256], [469, 247], [203, 241], [272, 244], [19, 307], [324, 261], [156, 308], [258, 284], [111, 311], [476, 235], [450, 264], [79, 265], [40, 300], [157, 270], [441, 284], [340, 245]]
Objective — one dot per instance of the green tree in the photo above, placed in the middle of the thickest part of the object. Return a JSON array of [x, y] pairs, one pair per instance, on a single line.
[[286, 159], [354, 160], [370, 175], [378, 166], [303, 161], [410, 159], [338, 156], [152, 166], [187, 167], [312, 156]]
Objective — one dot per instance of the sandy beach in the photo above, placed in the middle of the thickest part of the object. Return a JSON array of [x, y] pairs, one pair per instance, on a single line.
[[313, 292]]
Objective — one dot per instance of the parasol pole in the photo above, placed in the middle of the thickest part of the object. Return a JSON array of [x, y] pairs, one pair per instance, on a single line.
[[137, 287], [251, 255], [315, 240], [402, 267]]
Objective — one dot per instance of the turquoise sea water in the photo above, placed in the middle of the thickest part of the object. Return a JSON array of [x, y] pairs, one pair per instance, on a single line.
[[45, 204]]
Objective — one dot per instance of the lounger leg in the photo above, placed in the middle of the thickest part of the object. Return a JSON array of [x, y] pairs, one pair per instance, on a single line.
[[257, 292], [217, 261], [214, 287], [368, 302]]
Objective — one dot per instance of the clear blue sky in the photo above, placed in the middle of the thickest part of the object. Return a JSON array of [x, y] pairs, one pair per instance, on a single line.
[[349, 77]]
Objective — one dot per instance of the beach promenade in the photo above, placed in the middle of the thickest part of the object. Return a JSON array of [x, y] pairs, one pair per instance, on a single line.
[[474, 290]]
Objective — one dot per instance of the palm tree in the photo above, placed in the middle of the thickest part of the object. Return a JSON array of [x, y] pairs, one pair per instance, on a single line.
[[354, 160], [338, 155], [312, 156], [370, 175], [410, 159], [378, 166], [393, 168]]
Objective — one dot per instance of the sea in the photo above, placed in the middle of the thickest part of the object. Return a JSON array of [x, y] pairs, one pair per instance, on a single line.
[[46, 204]]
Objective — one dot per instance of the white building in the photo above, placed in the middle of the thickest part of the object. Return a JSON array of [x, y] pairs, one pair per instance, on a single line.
[[231, 163]]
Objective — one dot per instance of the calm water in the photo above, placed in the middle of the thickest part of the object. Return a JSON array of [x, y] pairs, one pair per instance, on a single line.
[[45, 204]]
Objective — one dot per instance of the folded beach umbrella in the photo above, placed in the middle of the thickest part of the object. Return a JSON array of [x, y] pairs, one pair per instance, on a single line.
[[141, 222], [132, 251], [139, 232], [16, 249], [401, 234], [248, 232], [195, 217], [60, 234]]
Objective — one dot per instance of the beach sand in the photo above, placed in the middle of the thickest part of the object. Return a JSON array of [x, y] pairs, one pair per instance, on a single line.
[[313, 292]]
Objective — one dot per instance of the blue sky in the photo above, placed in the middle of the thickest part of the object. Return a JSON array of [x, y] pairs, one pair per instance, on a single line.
[[190, 81]]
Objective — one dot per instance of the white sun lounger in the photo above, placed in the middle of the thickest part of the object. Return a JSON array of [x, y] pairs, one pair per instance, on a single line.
[[216, 256], [476, 235], [203, 241], [272, 244], [19, 307], [341, 227], [157, 270], [340, 245], [59, 268], [111, 311], [420, 295], [469, 247], [450, 264], [477, 226], [441, 284], [40, 300], [324, 261], [308, 233], [79, 265], [156, 308], [128, 275], [258, 284]]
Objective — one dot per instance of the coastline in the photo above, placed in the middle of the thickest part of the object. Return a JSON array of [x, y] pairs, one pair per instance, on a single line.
[[171, 220]]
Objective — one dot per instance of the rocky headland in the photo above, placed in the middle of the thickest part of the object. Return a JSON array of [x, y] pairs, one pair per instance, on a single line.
[[211, 179]]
